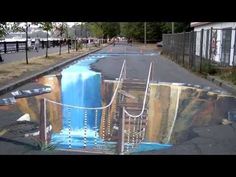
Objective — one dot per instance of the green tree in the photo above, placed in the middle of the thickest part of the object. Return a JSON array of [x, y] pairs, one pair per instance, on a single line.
[[104, 29], [6, 28], [110, 29], [154, 30], [96, 29], [3, 32], [16, 27], [46, 26], [60, 30], [133, 30]]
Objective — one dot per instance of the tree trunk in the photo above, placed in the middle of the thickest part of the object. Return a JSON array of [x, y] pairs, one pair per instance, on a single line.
[[60, 48], [47, 46], [68, 46]]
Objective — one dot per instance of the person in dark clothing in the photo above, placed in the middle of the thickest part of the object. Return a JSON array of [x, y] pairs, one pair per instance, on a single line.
[[129, 41], [1, 60]]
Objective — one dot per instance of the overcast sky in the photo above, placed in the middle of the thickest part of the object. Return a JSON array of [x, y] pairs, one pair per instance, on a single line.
[[69, 23]]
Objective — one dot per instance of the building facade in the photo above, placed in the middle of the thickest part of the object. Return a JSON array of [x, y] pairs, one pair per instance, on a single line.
[[218, 41]]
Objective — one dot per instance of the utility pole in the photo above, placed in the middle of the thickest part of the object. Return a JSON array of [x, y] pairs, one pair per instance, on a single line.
[[173, 27], [26, 44], [145, 33]]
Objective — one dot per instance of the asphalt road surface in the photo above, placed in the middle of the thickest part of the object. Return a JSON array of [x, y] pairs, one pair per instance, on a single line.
[[137, 67], [138, 61], [19, 56]]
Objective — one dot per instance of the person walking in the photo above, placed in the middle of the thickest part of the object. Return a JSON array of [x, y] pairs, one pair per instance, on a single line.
[[29, 44], [1, 59], [36, 45]]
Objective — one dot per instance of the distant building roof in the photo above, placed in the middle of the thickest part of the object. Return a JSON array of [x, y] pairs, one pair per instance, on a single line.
[[195, 24]]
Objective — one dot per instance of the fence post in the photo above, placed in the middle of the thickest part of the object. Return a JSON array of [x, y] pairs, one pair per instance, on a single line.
[[207, 45], [183, 47], [42, 122], [234, 53], [190, 49], [176, 48], [210, 52], [201, 44], [5, 47]]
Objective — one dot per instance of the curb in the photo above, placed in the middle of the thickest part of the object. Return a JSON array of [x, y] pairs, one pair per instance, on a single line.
[[218, 82], [222, 84], [23, 81]]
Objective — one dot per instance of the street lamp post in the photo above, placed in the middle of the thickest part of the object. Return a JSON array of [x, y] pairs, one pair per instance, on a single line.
[[26, 45]]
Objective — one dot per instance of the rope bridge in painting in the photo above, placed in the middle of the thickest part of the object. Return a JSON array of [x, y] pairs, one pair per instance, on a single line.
[[112, 129]]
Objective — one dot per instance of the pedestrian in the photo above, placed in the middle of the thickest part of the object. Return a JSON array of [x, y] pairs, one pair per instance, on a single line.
[[69, 43], [1, 60], [131, 41], [36, 44], [114, 41], [29, 44]]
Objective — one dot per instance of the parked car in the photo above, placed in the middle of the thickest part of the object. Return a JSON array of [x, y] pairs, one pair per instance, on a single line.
[[160, 44]]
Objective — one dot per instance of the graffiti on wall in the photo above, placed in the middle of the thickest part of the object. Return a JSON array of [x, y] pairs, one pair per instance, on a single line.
[[214, 44]]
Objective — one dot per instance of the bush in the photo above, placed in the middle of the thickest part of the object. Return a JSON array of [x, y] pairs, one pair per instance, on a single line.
[[209, 68], [229, 75]]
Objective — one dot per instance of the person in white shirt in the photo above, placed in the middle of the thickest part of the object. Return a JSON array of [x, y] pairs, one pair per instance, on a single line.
[[29, 44], [36, 45]]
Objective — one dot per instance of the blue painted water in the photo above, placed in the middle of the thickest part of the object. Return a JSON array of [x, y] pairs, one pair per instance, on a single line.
[[81, 86], [151, 146]]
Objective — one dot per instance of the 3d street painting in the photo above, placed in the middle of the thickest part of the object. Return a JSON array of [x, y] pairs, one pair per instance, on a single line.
[[171, 111]]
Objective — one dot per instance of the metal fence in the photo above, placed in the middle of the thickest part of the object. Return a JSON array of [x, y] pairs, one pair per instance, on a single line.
[[16, 46], [198, 50]]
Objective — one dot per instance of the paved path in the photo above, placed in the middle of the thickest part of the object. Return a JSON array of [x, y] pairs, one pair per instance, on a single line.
[[209, 140], [12, 57], [138, 63], [215, 139]]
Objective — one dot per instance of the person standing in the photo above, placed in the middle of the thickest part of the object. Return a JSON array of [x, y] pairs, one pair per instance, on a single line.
[[1, 60], [29, 44], [36, 45]]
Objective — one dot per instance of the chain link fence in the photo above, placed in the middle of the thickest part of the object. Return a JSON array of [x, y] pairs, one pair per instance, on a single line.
[[202, 51]]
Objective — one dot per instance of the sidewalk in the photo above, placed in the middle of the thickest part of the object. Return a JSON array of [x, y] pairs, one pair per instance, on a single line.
[[14, 74], [222, 83], [20, 56], [11, 143], [216, 80]]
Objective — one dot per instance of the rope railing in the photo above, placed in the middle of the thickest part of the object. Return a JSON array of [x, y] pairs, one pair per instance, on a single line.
[[145, 96], [96, 145], [136, 135]]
